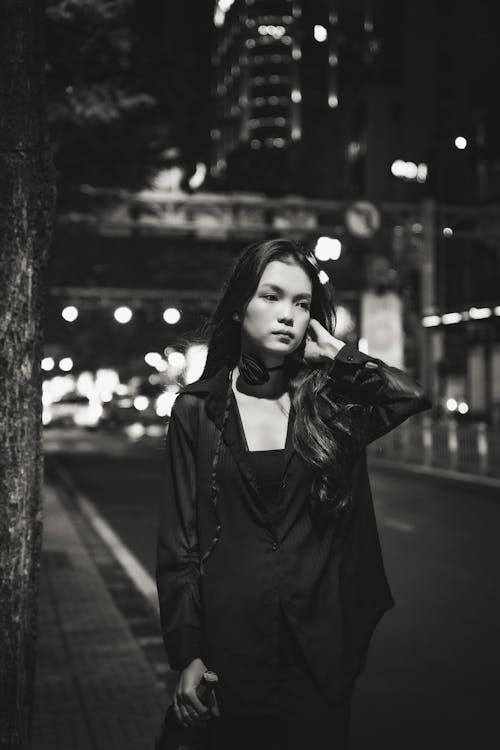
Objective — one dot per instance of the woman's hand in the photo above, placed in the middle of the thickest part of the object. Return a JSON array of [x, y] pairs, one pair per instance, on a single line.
[[320, 344], [188, 708]]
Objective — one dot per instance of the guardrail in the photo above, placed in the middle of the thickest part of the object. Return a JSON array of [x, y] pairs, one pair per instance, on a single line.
[[467, 447]]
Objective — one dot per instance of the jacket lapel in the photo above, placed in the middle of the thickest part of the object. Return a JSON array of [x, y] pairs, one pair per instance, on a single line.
[[216, 389]]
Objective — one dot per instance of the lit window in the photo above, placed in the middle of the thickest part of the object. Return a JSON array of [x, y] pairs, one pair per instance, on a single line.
[[450, 318], [477, 313], [422, 172], [320, 33], [429, 321]]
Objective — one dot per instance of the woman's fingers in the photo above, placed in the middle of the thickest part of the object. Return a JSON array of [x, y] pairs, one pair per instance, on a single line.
[[178, 712], [200, 708], [192, 711], [214, 706]]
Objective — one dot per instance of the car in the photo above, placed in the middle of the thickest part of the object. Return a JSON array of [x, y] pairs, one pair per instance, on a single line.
[[72, 410]]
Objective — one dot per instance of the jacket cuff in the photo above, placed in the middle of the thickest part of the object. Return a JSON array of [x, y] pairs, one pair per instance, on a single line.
[[183, 645], [350, 355]]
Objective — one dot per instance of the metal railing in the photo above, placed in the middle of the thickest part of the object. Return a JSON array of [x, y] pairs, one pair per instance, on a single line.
[[473, 448]]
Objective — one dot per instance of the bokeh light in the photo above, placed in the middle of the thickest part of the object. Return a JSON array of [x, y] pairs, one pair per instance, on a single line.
[[123, 314], [70, 313], [171, 315], [66, 364]]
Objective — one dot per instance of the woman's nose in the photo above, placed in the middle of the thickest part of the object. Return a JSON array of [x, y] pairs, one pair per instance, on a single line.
[[286, 316]]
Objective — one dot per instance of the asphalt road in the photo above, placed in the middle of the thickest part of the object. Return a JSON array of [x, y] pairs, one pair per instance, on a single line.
[[433, 674]]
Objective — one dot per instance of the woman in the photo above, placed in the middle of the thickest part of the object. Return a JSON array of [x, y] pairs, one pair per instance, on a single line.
[[269, 565]]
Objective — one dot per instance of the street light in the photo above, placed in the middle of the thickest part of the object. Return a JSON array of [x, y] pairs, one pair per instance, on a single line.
[[66, 364], [123, 314], [328, 248], [70, 313], [461, 142], [451, 404], [171, 315], [48, 364]]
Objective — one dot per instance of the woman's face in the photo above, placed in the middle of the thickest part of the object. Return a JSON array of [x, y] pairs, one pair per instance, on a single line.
[[281, 303]]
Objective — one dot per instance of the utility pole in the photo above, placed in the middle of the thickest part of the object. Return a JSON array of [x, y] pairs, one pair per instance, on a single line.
[[428, 301]]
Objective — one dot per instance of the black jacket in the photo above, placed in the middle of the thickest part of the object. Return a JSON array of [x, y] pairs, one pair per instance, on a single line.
[[333, 594]]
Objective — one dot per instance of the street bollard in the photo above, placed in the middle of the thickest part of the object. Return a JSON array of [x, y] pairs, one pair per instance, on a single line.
[[482, 447], [404, 433], [452, 444], [427, 440]]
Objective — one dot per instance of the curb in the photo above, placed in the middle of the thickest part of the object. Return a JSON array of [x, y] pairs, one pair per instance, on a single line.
[[434, 473], [139, 576]]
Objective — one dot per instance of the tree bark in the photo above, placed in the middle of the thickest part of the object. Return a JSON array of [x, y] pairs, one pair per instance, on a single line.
[[27, 196]]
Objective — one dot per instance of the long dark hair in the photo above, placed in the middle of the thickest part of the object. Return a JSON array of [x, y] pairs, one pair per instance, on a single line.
[[321, 433]]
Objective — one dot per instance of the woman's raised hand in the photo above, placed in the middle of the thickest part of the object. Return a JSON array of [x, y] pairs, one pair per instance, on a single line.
[[188, 708], [320, 344]]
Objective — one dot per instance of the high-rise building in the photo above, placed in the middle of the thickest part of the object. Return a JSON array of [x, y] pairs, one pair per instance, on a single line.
[[320, 97], [275, 91]]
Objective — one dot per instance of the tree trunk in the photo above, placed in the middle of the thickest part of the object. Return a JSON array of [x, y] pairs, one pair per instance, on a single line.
[[26, 204]]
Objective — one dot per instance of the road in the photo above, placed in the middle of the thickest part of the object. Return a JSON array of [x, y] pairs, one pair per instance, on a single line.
[[433, 674]]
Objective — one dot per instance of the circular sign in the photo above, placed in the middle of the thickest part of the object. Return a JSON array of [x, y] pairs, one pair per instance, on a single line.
[[362, 219]]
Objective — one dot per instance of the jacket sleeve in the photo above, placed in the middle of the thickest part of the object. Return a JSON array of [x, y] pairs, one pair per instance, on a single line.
[[390, 394], [177, 565]]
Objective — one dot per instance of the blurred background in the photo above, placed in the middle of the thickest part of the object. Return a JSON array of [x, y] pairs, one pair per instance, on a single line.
[[368, 129]]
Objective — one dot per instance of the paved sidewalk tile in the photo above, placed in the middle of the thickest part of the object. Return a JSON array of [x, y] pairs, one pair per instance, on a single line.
[[94, 688]]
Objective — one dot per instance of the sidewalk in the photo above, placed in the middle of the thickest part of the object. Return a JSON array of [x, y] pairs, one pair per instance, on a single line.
[[95, 687]]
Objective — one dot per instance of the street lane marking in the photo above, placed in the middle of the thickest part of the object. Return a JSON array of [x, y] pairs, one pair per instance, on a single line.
[[395, 523], [129, 562]]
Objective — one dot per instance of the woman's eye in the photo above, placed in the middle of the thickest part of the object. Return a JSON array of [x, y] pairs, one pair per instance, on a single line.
[[305, 305], [270, 296]]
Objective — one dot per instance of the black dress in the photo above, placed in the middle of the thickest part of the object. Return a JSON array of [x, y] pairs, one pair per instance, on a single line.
[[298, 715]]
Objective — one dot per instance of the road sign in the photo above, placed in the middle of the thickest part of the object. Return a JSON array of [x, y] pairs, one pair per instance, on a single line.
[[362, 219]]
